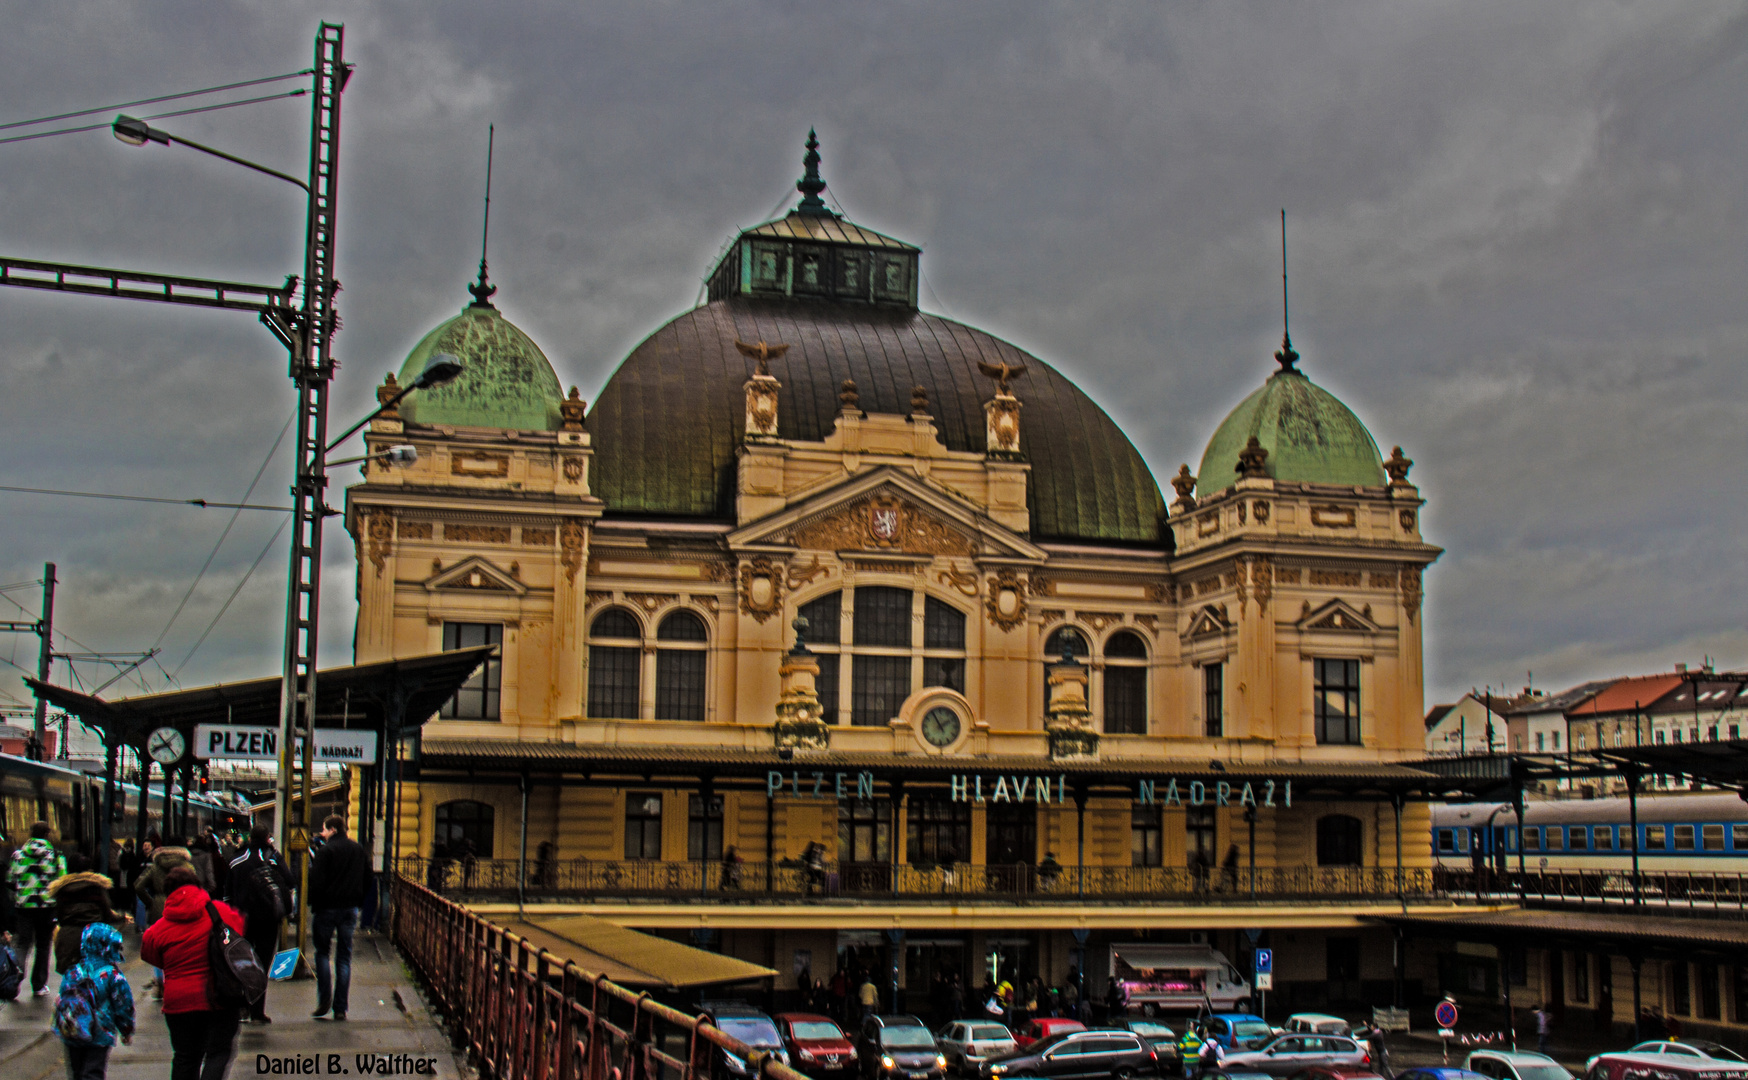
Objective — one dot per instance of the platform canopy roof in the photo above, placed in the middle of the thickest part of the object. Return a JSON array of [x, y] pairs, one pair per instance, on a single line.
[[631, 957]]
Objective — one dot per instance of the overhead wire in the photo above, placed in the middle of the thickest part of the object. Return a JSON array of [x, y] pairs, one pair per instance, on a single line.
[[228, 600], [21, 585], [299, 92], [202, 503], [155, 100]]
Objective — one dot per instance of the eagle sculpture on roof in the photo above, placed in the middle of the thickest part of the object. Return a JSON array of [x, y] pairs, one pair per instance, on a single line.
[[1001, 373], [762, 352]]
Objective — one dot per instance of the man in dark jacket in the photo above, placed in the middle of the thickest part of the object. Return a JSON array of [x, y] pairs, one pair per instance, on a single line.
[[339, 877], [259, 887]]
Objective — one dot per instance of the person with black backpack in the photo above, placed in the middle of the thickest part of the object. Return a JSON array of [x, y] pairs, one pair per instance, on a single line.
[[203, 1026], [260, 887]]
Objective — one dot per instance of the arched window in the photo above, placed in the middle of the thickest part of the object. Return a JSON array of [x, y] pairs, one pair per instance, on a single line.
[[464, 827], [1125, 684], [1075, 640], [1340, 840], [880, 669], [889, 654], [943, 645], [824, 632], [615, 640], [680, 667]]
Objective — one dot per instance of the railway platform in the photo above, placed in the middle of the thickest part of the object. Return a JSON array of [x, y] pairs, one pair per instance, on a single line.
[[387, 1023]]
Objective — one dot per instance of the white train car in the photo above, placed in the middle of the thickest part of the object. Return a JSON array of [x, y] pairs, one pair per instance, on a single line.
[[1705, 832]]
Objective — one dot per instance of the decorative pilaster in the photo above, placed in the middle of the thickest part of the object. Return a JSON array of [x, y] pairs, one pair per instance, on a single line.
[[1068, 717]]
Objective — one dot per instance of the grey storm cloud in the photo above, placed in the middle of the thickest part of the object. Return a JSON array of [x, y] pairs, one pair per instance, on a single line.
[[1515, 231]]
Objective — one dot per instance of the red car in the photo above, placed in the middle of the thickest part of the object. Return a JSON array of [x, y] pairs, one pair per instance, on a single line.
[[1336, 1072], [817, 1046], [1044, 1028]]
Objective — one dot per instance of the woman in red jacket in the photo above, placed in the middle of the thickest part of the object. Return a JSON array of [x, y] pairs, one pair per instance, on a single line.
[[202, 1038]]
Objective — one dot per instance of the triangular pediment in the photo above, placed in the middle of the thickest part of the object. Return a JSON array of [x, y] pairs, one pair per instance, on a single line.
[[1209, 621], [886, 510], [475, 574], [1339, 615]]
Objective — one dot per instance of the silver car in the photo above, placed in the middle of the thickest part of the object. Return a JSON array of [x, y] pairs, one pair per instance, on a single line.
[[1287, 1054], [967, 1044]]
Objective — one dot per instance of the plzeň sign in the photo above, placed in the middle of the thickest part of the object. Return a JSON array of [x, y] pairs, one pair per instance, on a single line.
[[333, 745]]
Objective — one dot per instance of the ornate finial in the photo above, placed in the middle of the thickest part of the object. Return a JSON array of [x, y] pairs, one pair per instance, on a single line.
[[762, 352], [483, 289], [571, 409], [1186, 488], [800, 624], [919, 400], [1001, 373], [385, 394], [810, 185], [1252, 460], [848, 397], [1397, 466], [1069, 641], [1285, 356]]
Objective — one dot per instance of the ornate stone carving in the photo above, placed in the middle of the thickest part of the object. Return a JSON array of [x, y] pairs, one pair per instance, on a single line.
[[650, 601], [876, 567], [919, 401], [799, 724], [761, 418], [571, 410], [1151, 622], [708, 603], [1208, 524], [1241, 512], [1347, 578], [479, 463], [887, 517], [414, 530], [573, 468], [1210, 620], [1098, 620], [516, 570], [965, 583], [1334, 517], [799, 576], [476, 534], [1006, 603], [1383, 581], [849, 399], [538, 537], [1406, 517], [1253, 461], [597, 596], [1397, 466], [1050, 615], [716, 570], [1067, 716], [1185, 484], [882, 523], [1186, 593], [1207, 585], [1002, 426], [1287, 574], [1236, 580], [1260, 510], [570, 545], [1262, 581], [381, 530], [1411, 591], [1159, 592], [385, 394], [763, 352], [761, 588], [1041, 585]]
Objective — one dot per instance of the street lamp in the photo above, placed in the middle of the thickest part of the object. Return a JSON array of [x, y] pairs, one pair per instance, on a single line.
[[439, 370], [139, 133]]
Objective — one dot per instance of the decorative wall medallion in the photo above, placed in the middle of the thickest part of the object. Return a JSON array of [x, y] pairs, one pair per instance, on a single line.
[[1208, 524], [650, 601], [965, 583], [1348, 578], [1006, 603], [1261, 510], [761, 589], [478, 463], [573, 468], [538, 537], [477, 534], [382, 528], [885, 521], [804, 575], [1262, 580], [597, 596], [1406, 517], [570, 542], [1333, 517], [1411, 591], [414, 530]]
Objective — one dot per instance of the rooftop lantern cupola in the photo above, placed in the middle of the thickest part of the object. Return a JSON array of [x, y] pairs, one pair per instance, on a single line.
[[815, 254]]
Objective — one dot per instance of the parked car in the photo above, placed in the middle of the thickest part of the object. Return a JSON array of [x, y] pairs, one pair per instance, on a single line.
[[1702, 1048], [898, 1047], [1515, 1065], [1663, 1066], [1082, 1055], [967, 1044], [1316, 1024], [1044, 1028], [817, 1046], [1161, 1038], [1287, 1054], [750, 1026], [1337, 1072], [1438, 1072], [1238, 1031]]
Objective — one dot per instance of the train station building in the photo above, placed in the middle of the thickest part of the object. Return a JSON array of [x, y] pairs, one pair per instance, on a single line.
[[835, 631]]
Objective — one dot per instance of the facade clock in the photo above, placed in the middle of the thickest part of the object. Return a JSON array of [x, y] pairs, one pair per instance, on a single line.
[[941, 726]]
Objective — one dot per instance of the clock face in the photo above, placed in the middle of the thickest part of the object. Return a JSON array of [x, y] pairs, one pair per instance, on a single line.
[[941, 726], [166, 745]]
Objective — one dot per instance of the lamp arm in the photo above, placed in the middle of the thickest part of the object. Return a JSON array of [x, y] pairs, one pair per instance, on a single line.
[[384, 407], [192, 145]]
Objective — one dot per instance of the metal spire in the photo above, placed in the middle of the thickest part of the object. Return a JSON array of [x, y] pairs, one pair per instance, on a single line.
[[483, 289], [810, 185], [1285, 356]]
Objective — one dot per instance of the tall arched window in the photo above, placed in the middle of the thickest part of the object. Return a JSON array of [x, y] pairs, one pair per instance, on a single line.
[[880, 668], [1340, 841], [1076, 642], [464, 827], [681, 656], [1125, 684], [943, 645], [615, 653], [889, 654]]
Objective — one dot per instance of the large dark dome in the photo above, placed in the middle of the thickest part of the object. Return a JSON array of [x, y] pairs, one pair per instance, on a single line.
[[667, 424]]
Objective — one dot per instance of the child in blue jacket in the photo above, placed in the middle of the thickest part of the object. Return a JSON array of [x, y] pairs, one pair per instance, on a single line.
[[96, 1004]]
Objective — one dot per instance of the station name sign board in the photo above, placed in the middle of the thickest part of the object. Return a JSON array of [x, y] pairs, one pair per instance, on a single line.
[[235, 742], [1040, 788]]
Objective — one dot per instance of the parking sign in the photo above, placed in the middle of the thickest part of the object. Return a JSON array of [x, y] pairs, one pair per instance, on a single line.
[[1265, 961]]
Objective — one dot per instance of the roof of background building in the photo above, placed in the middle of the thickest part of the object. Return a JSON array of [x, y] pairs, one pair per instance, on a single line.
[[1310, 436], [1439, 712], [1560, 703], [1626, 695], [506, 381]]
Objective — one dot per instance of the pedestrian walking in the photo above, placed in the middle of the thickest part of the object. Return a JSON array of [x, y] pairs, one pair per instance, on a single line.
[[870, 997], [339, 878], [96, 1004], [202, 1038], [80, 901], [34, 868], [1544, 1020], [260, 888]]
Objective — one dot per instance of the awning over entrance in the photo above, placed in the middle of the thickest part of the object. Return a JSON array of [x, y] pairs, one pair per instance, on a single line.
[[631, 958], [1170, 957]]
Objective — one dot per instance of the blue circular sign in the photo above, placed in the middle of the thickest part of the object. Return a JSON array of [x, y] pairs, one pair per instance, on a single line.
[[1446, 1014]]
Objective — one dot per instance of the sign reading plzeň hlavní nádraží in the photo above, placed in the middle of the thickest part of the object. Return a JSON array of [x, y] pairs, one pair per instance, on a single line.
[[335, 746], [1038, 788]]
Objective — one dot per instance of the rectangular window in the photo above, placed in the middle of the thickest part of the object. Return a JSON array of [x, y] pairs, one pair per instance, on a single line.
[[948, 671], [613, 681], [1556, 741], [1125, 699], [1712, 836], [938, 831], [1581, 978], [1532, 838], [1675, 734], [1656, 837], [703, 828], [1463, 840], [865, 831], [827, 686], [1626, 837], [1684, 838], [1710, 1007], [1735, 731], [824, 619], [1739, 837], [943, 625], [1740, 979], [680, 684], [1603, 837], [1660, 739], [643, 825], [1540, 743], [1680, 989], [478, 697], [882, 616], [1337, 701], [1575, 838], [1214, 700], [1200, 836], [1712, 733], [1581, 741], [1447, 841], [878, 686], [1146, 837], [1555, 836]]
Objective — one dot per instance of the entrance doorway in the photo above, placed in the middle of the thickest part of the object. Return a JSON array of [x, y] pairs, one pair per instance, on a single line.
[[931, 966], [1012, 845]]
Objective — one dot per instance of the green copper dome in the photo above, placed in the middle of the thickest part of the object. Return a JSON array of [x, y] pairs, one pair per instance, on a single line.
[[507, 381], [1310, 436]]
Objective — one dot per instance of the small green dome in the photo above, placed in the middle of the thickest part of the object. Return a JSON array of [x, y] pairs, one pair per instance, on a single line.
[[1310, 436], [507, 382]]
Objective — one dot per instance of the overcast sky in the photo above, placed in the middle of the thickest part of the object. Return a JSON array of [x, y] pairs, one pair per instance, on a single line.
[[1517, 237]]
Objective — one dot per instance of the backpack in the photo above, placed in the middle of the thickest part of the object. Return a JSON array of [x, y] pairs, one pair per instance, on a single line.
[[234, 975], [76, 1008], [11, 975], [263, 892]]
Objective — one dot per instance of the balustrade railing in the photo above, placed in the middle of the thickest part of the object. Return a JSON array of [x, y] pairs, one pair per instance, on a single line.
[[958, 882], [525, 1014], [1688, 890]]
